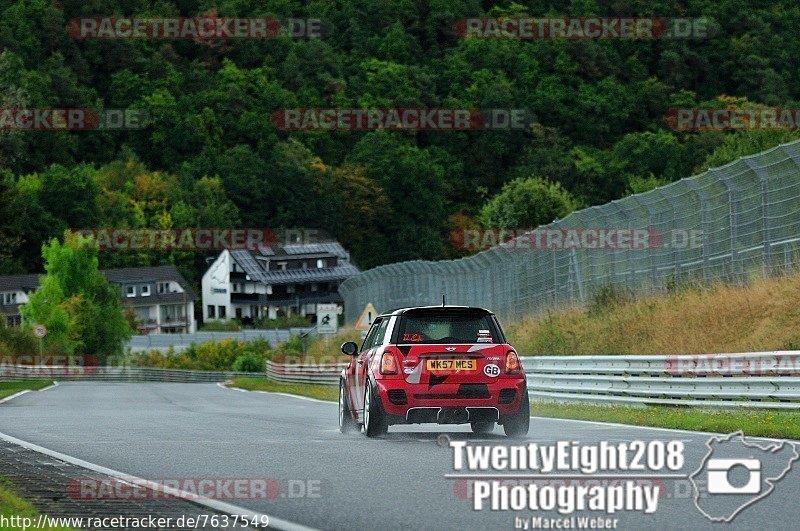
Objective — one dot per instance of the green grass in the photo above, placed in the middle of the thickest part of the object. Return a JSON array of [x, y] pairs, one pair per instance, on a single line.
[[320, 392], [13, 505], [10, 388], [753, 422]]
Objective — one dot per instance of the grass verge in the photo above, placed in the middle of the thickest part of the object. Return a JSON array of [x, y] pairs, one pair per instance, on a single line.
[[687, 319], [753, 422], [320, 392], [13, 505], [10, 388]]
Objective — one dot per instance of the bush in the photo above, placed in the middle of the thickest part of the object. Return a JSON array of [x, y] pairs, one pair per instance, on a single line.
[[293, 345], [210, 356], [17, 341], [249, 361], [607, 298], [221, 325]]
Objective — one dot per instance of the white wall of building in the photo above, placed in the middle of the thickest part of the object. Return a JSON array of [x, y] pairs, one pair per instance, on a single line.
[[216, 286]]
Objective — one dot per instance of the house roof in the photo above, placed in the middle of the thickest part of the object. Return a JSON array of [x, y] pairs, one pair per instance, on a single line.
[[19, 282], [128, 275], [256, 271], [24, 283], [144, 275]]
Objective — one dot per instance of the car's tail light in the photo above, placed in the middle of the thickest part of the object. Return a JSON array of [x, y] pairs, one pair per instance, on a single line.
[[388, 363], [512, 363]]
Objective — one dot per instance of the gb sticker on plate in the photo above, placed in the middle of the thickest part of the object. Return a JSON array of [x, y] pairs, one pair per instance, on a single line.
[[491, 370]]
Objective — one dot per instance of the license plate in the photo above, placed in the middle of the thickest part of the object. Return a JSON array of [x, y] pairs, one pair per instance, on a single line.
[[452, 365]]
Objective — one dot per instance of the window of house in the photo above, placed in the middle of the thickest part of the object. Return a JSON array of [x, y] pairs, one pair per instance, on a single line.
[[211, 314], [131, 291], [281, 266], [163, 287], [221, 312], [236, 288], [320, 263], [314, 286], [289, 288], [145, 291], [142, 314], [172, 312]]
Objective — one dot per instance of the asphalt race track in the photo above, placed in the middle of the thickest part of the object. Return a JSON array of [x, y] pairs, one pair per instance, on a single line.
[[159, 431]]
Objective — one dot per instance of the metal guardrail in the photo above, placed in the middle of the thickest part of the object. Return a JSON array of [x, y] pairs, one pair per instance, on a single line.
[[179, 342], [753, 379], [115, 374], [324, 374]]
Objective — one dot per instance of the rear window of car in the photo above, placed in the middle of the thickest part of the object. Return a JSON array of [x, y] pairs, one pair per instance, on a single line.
[[447, 328]]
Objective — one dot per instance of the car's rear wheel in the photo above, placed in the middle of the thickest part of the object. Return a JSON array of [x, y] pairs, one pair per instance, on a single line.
[[482, 427], [346, 422], [518, 424], [374, 422]]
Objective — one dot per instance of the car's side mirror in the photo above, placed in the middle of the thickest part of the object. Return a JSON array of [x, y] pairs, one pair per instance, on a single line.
[[350, 348]]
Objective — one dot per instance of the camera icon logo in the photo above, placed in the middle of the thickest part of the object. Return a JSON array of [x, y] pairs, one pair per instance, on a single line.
[[719, 471], [737, 472]]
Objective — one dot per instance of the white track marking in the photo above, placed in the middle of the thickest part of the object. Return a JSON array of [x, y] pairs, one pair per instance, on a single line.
[[216, 505]]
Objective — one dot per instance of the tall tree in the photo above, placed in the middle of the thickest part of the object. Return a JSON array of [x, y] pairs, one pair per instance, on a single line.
[[81, 310]]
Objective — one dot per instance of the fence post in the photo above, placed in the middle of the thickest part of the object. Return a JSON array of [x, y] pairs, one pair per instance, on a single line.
[[650, 251], [733, 205], [703, 198], [765, 224]]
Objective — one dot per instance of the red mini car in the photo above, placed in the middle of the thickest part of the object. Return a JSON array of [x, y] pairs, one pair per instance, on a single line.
[[434, 364]]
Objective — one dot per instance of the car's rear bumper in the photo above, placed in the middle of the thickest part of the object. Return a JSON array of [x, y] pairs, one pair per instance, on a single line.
[[450, 403]]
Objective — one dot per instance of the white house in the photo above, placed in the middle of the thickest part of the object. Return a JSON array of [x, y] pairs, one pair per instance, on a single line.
[[291, 279], [161, 298]]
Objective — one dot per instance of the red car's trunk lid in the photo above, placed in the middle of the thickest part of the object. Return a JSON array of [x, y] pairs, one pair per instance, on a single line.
[[455, 363]]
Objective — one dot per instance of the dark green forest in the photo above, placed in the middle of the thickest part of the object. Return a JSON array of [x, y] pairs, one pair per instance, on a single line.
[[211, 156]]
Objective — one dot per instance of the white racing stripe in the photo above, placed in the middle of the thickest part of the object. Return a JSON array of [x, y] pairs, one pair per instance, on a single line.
[[216, 505], [232, 388], [655, 428], [55, 384], [15, 395]]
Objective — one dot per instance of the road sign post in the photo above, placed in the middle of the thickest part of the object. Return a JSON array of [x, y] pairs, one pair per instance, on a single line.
[[40, 331], [364, 321], [327, 319]]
